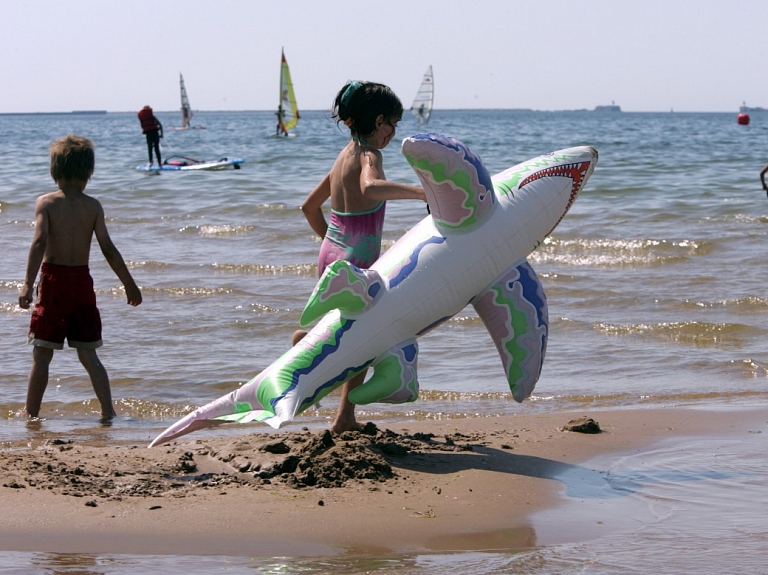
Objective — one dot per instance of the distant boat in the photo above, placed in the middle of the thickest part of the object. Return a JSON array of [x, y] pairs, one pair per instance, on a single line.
[[744, 109], [186, 109], [612, 108], [425, 97], [287, 110]]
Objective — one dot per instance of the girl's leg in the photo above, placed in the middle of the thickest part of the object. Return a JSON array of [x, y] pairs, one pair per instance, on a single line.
[[38, 379], [99, 380], [345, 416]]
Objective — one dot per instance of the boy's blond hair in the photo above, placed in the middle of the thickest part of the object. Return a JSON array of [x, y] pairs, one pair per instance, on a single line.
[[72, 157]]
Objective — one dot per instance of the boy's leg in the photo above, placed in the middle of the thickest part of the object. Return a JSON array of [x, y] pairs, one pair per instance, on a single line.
[[345, 416], [99, 380], [38, 379]]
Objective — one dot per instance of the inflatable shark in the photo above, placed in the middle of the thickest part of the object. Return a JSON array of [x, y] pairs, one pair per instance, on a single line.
[[471, 249]]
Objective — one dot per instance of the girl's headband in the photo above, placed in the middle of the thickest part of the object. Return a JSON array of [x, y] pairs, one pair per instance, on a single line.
[[350, 91]]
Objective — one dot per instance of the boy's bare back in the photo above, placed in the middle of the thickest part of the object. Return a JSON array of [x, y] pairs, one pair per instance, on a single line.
[[69, 219]]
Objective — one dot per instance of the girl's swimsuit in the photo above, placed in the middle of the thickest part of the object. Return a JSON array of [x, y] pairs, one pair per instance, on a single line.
[[354, 237]]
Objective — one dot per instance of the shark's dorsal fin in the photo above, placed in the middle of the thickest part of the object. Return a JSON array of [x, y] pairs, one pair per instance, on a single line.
[[514, 310], [345, 287]]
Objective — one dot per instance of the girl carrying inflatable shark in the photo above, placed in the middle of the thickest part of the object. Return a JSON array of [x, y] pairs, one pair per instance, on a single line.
[[358, 191]]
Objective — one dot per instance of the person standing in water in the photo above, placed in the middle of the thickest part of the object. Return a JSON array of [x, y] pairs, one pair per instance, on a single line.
[[153, 130], [65, 223]]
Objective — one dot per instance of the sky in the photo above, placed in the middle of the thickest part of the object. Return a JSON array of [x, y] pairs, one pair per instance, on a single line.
[[118, 55]]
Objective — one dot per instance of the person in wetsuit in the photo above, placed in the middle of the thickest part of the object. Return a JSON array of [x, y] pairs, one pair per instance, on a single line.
[[153, 130]]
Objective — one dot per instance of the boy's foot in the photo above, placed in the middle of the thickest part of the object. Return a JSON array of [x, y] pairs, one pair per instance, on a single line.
[[24, 413]]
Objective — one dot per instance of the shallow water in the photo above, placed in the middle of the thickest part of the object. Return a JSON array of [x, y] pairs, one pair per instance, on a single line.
[[654, 281], [686, 505]]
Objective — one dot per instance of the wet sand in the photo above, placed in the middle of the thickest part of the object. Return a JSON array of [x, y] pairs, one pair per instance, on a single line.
[[458, 484]]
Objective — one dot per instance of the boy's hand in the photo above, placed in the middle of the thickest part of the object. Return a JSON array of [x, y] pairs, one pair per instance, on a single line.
[[133, 294], [25, 297]]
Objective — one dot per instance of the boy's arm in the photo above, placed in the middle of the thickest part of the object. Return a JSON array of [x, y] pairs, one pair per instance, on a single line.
[[36, 254], [313, 206], [375, 187], [115, 260], [762, 176]]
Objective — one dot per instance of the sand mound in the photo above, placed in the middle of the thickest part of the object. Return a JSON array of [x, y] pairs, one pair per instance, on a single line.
[[299, 460]]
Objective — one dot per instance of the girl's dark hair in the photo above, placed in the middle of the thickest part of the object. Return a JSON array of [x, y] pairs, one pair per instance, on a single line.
[[358, 104], [72, 157]]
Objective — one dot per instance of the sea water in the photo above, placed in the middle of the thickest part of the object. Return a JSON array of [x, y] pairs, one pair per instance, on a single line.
[[655, 283]]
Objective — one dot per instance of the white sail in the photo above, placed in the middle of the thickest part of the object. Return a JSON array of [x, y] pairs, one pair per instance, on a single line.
[[422, 103], [186, 109]]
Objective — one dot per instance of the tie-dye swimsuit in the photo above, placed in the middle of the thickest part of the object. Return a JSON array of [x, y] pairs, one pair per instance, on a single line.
[[354, 237]]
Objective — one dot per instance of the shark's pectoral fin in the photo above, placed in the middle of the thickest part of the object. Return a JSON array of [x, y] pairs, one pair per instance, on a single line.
[[342, 286], [514, 309], [394, 377]]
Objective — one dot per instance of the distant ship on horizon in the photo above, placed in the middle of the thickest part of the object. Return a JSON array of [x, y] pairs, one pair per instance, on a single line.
[[612, 108], [744, 109]]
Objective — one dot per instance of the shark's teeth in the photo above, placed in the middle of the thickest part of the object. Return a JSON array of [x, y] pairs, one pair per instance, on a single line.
[[575, 171]]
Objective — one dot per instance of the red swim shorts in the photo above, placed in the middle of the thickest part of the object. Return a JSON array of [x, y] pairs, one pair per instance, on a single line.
[[65, 308]]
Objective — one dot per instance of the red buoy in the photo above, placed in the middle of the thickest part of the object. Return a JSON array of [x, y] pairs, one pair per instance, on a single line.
[[743, 119]]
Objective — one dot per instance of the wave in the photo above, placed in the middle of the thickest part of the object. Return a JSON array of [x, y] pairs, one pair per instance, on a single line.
[[696, 333], [581, 252]]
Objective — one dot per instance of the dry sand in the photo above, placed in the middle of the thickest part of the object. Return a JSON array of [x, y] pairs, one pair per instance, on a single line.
[[457, 484]]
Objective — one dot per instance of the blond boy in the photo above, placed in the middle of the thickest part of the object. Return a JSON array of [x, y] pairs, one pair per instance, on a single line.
[[65, 222]]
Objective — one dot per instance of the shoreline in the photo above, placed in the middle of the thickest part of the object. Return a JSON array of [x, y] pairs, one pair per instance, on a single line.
[[467, 484]]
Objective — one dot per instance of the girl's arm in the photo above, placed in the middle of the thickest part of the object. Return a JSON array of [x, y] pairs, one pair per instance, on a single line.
[[313, 206], [373, 185]]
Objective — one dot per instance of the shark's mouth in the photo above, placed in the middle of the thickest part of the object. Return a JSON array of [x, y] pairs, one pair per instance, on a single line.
[[575, 171]]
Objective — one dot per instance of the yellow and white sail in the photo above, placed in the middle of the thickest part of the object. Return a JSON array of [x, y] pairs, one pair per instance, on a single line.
[[287, 111]]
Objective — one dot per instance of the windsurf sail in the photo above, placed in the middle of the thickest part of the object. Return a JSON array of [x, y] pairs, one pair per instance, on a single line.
[[186, 109], [287, 110], [422, 103]]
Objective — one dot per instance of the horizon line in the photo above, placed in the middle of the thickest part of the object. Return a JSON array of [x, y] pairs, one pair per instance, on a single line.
[[176, 111]]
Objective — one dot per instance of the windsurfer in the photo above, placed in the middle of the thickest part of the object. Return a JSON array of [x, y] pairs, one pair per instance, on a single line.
[[280, 128], [153, 130]]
